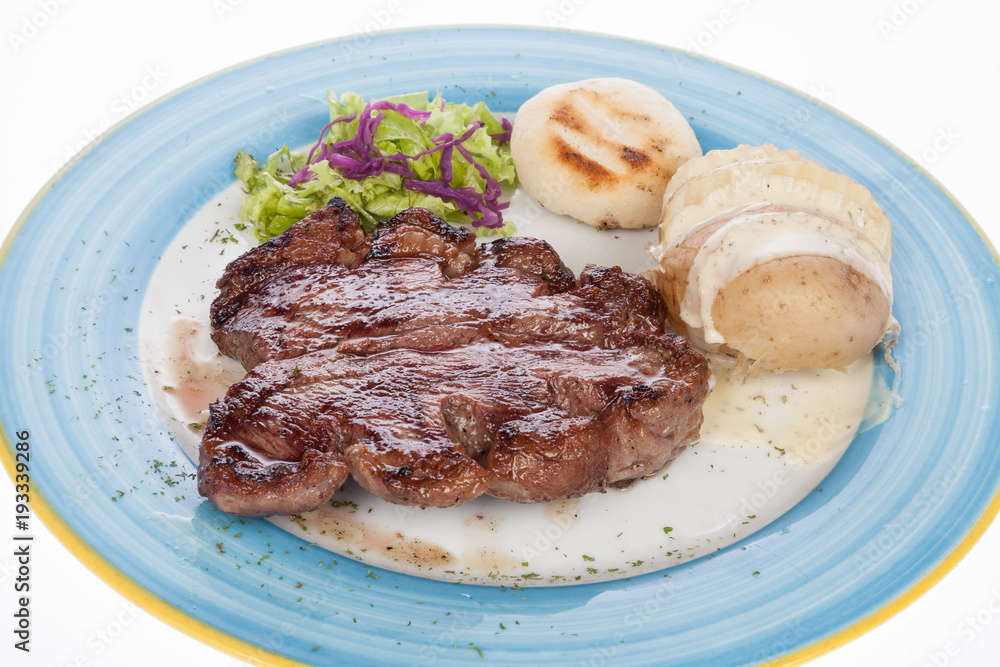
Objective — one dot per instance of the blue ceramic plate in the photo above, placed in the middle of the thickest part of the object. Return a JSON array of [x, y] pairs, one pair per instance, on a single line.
[[907, 500]]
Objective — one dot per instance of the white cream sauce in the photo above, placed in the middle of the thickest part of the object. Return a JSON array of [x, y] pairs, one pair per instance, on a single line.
[[807, 415], [767, 442]]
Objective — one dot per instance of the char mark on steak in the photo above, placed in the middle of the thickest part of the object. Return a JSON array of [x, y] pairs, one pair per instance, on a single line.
[[433, 371]]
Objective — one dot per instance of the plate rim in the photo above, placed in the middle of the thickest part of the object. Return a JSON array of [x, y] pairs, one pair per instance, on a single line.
[[243, 649]]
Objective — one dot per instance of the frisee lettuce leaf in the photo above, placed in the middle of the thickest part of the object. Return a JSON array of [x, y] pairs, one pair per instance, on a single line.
[[382, 157]]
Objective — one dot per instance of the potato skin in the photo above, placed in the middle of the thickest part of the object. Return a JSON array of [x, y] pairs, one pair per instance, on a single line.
[[802, 311], [672, 277]]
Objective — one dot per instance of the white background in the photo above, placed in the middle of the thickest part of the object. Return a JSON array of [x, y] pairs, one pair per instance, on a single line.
[[913, 71]]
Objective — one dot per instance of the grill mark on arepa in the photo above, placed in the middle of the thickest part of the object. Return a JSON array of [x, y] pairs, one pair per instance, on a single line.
[[567, 115], [634, 158], [618, 156], [595, 173]]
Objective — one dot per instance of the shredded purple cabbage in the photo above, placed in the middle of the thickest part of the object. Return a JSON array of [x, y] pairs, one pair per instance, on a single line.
[[503, 137], [359, 158]]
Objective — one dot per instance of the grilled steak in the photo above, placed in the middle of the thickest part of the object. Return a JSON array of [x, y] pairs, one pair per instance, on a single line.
[[434, 371]]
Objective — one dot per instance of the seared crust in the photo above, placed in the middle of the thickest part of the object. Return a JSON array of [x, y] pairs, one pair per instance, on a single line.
[[606, 431], [528, 257], [416, 232], [237, 481], [401, 296], [529, 423], [434, 371], [330, 235]]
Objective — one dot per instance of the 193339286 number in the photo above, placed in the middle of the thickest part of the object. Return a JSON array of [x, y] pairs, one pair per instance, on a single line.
[[22, 476]]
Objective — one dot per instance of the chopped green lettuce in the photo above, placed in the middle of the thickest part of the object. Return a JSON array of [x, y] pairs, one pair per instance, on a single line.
[[382, 157]]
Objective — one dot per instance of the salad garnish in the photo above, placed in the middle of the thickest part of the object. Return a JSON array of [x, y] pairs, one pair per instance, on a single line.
[[384, 156]]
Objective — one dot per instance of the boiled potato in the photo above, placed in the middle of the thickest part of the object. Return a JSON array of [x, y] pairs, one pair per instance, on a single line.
[[777, 286], [802, 311], [601, 150]]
